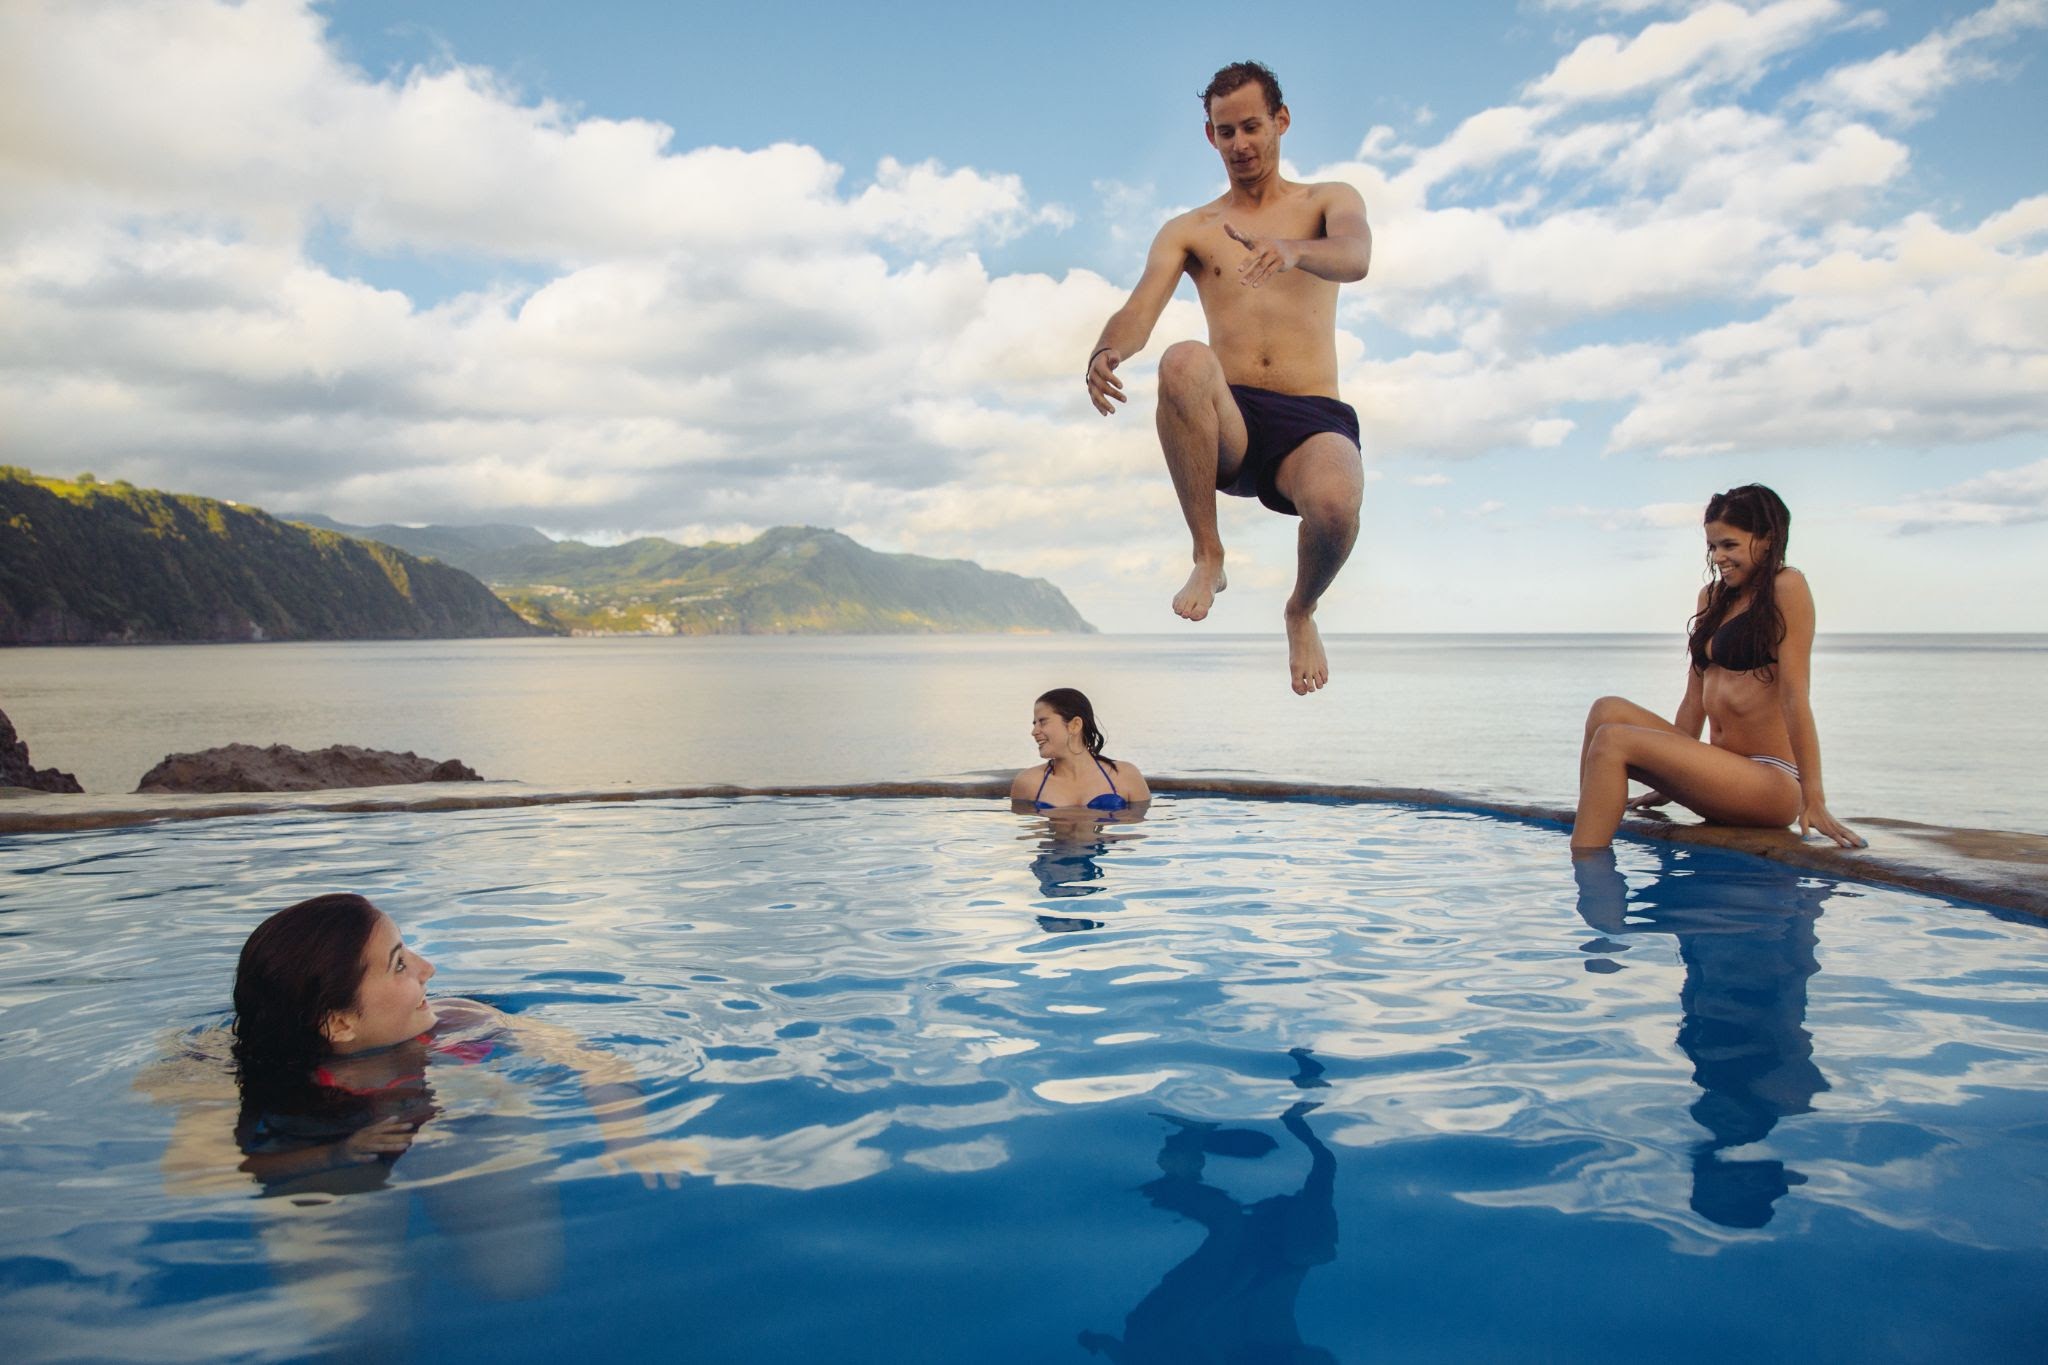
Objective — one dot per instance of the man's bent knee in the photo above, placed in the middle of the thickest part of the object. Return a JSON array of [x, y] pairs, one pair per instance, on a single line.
[[1330, 513], [1187, 370], [1326, 490]]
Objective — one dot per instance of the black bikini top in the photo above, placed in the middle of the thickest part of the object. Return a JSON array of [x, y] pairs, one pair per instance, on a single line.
[[1735, 649]]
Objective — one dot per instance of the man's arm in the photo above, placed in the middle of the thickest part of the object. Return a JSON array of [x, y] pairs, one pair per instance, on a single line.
[[1343, 254], [1130, 327]]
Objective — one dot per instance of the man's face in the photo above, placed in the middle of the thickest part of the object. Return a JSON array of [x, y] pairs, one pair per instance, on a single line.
[[1245, 134]]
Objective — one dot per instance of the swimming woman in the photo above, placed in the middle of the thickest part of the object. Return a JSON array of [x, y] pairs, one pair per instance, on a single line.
[[334, 1034], [1751, 641], [351, 1096], [1075, 773]]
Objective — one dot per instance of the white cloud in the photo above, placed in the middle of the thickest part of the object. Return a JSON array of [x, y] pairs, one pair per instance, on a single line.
[[164, 317], [1721, 43], [1903, 83], [1480, 141], [1843, 333], [241, 115], [1460, 404], [1656, 516], [1614, 6], [1916, 336], [2005, 497]]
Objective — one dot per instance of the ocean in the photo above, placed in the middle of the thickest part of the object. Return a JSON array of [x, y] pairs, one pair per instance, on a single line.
[[1934, 728]]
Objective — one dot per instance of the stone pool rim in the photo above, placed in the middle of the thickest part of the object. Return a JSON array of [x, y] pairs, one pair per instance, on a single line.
[[1995, 868]]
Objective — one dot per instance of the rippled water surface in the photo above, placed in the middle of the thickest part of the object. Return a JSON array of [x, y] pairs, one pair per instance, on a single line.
[[931, 1081]]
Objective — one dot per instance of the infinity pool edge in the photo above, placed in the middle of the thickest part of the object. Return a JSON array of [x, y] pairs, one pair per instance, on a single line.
[[1998, 868]]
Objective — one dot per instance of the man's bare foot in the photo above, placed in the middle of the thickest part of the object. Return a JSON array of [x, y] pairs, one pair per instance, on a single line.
[[1194, 600], [1308, 668]]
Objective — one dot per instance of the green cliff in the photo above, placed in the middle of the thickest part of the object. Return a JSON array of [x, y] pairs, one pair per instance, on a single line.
[[82, 562], [789, 580]]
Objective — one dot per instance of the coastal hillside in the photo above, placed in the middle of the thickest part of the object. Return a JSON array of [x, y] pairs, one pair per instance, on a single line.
[[450, 544], [789, 580], [84, 562]]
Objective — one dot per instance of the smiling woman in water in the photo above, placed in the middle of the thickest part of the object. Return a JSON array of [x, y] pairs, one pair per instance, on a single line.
[[343, 1082], [1751, 642], [335, 1034], [1074, 773]]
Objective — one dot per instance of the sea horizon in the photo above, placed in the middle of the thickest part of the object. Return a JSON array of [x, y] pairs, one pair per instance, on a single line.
[[1494, 714]]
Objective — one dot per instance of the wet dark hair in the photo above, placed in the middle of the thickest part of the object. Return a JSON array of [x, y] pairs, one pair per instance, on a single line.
[[1760, 629], [301, 965], [1070, 703], [1236, 77]]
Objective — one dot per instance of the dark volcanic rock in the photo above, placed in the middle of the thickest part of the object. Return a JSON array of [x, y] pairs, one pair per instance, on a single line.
[[281, 768], [17, 771]]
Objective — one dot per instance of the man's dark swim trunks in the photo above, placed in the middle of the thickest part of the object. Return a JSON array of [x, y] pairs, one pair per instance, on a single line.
[[1276, 424]]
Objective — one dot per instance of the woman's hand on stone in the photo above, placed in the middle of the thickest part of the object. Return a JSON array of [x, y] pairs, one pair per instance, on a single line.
[[1815, 816]]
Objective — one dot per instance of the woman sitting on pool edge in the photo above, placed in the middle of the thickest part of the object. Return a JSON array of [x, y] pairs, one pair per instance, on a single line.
[[1075, 773], [1751, 641]]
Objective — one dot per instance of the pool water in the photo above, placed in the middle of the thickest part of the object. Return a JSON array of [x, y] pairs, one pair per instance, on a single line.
[[933, 1081]]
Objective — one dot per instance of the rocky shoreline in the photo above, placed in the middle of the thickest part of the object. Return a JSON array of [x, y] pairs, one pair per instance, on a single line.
[[243, 768], [281, 768], [17, 771]]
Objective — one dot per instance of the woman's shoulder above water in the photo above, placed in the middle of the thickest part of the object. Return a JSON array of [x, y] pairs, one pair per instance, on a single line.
[[1130, 783], [1121, 775], [460, 1012]]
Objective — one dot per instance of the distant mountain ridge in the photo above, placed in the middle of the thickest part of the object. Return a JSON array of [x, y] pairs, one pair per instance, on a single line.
[[440, 542], [788, 580], [84, 562]]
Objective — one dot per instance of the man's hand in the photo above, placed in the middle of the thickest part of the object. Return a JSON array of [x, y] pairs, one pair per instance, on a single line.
[[1270, 256], [1103, 385]]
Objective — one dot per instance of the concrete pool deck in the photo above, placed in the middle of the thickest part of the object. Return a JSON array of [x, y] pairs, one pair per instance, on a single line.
[[1990, 867]]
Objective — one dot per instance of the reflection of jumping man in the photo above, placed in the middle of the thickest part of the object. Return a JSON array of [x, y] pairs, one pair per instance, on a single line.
[[1255, 412], [1233, 1299]]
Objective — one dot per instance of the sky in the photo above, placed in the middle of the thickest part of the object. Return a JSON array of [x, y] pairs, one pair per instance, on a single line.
[[695, 271]]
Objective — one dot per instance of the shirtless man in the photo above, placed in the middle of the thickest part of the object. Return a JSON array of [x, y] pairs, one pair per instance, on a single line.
[[1255, 412]]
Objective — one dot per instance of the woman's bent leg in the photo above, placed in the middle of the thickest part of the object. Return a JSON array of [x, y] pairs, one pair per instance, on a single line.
[[1619, 711], [1724, 787]]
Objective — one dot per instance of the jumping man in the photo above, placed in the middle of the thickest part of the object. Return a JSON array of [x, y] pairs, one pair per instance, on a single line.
[[1255, 412]]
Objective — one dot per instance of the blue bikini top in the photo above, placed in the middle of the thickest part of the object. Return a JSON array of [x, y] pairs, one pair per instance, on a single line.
[[1109, 800]]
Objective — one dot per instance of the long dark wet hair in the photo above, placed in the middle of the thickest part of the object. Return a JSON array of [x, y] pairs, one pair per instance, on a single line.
[[1757, 510], [301, 966], [1069, 703]]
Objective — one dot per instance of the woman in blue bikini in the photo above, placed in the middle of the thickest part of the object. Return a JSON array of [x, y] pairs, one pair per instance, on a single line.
[[1751, 642], [1074, 774]]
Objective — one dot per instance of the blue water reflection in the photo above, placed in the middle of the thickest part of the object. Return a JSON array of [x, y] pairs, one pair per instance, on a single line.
[[1297, 1082], [1069, 847], [1233, 1298], [1748, 948]]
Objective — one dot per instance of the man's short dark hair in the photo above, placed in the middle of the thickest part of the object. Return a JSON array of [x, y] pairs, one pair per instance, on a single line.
[[1238, 75]]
